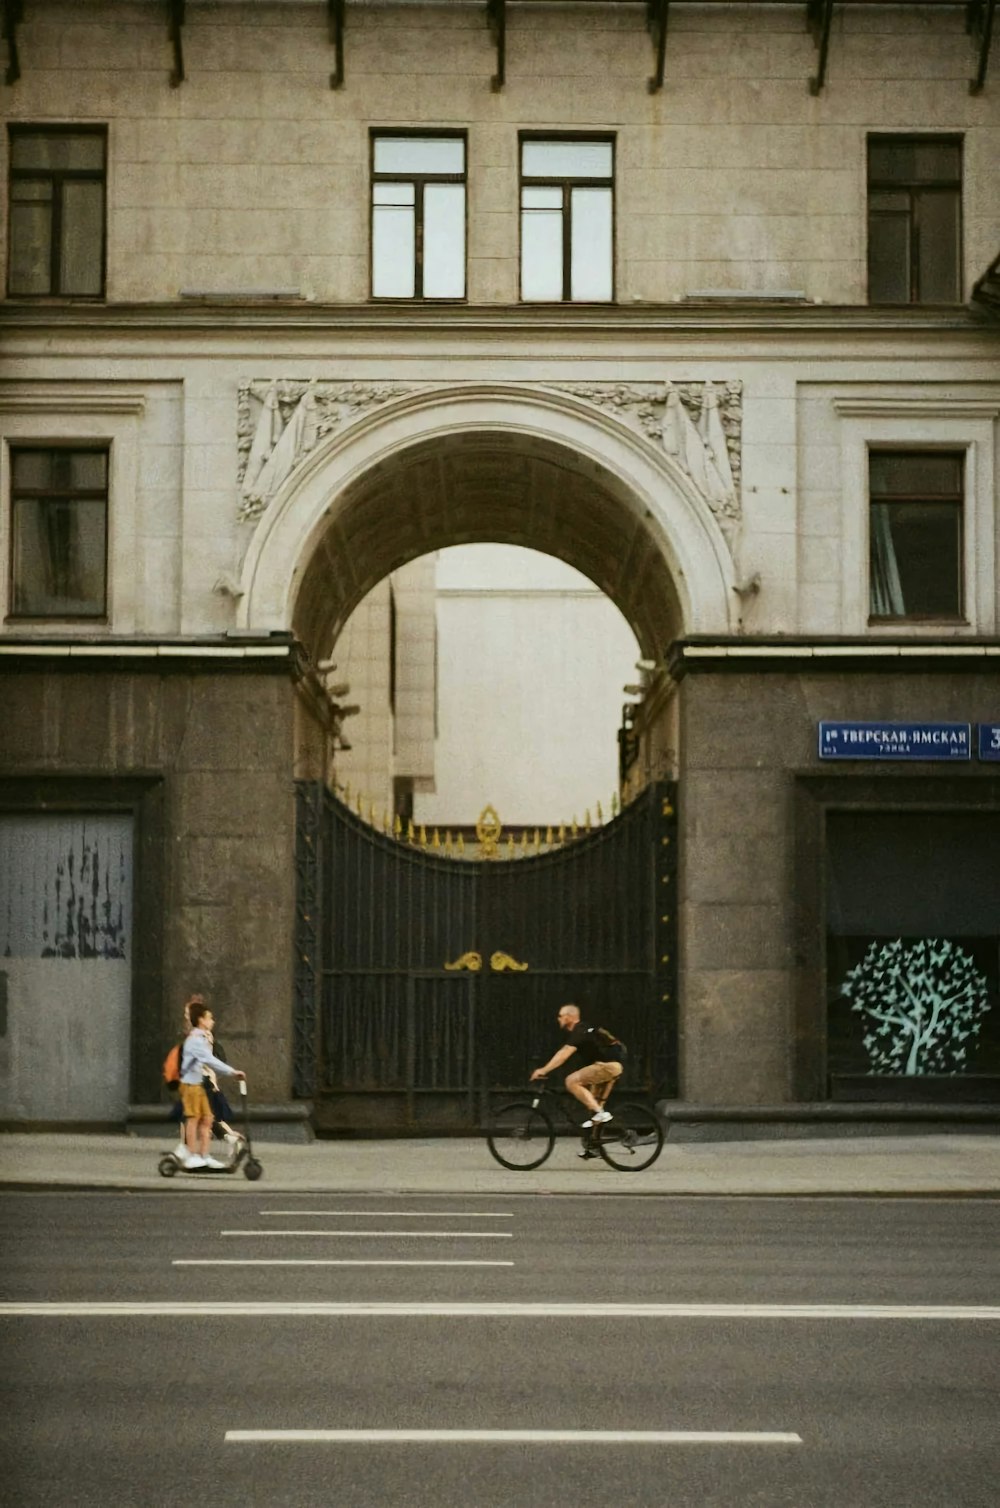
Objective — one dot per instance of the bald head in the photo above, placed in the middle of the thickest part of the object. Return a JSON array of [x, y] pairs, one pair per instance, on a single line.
[[568, 1016]]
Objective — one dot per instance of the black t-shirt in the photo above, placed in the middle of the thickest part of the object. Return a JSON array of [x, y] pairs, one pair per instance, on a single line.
[[582, 1038]]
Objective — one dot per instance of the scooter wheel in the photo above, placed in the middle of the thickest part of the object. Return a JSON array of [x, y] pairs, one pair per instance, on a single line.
[[252, 1169], [167, 1167]]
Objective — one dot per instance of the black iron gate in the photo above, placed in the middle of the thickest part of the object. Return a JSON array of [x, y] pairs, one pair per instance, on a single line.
[[425, 984]]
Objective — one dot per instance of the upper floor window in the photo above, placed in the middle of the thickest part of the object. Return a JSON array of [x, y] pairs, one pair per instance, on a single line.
[[56, 220], [59, 529], [418, 216], [567, 220], [915, 534], [914, 220]]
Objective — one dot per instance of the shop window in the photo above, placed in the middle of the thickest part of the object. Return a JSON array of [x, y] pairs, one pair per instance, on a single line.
[[914, 220], [915, 535], [418, 217], [567, 220], [59, 527], [913, 953], [56, 212]]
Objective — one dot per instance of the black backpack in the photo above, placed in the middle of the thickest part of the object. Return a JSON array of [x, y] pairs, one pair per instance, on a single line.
[[608, 1047]]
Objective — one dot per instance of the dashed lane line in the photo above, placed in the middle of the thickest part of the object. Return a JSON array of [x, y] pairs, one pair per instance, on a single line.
[[397, 1235], [509, 1437], [335, 1262]]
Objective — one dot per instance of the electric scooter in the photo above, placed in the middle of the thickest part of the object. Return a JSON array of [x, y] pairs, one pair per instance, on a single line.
[[240, 1154]]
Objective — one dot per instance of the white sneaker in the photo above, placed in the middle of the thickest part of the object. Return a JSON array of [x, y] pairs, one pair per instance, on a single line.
[[597, 1119], [211, 1162], [196, 1162], [180, 1152]]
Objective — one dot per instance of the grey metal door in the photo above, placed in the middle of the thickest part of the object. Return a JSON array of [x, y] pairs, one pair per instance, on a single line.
[[65, 966]]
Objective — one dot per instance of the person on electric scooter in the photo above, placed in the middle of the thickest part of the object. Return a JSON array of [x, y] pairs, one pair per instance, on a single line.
[[197, 1060]]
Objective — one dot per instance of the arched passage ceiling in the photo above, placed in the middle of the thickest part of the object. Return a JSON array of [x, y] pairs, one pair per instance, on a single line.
[[486, 487]]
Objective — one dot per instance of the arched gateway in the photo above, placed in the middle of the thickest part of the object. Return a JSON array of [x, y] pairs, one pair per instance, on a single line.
[[424, 982]]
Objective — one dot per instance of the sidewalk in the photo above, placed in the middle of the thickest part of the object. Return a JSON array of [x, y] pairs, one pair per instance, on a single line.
[[949, 1165]]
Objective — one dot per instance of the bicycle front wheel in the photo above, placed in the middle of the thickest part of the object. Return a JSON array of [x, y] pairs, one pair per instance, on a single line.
[[632, 1139], [520, 1136]]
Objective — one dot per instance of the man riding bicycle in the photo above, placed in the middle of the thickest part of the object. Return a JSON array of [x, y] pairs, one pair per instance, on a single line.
[[598, 1071]]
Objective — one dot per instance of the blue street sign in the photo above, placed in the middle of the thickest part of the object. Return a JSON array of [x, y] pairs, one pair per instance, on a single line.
[[895, 741], [989, 741]]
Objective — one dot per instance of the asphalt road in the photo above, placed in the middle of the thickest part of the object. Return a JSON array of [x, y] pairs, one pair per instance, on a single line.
[[644, 1351]]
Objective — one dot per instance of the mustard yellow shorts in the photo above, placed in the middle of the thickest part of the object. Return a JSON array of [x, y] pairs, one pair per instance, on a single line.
[[194, 1102], [598, 1073]]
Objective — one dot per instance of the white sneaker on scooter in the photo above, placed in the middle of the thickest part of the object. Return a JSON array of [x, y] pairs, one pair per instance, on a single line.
[[194, 1162], [180, 1152], [215, 1165]]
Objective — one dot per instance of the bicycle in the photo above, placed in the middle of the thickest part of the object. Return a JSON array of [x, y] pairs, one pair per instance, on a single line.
[[522, 1134]]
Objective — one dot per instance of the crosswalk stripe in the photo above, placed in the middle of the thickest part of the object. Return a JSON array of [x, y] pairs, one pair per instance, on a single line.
[[224, 1309]]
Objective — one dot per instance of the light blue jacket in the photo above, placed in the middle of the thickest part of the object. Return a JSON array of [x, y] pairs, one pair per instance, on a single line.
[[197, 1055]]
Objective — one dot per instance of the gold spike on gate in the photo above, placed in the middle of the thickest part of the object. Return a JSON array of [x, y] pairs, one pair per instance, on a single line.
[[447, 843], [574, 829], [562, 832], [524, 841], [423, 836], [510, 845], [614, 805], [397, 826], [548, 837], [411, 836], [538, 840], [586, 820], [371, 814], [436, 840], [600, 816], [461, 843]]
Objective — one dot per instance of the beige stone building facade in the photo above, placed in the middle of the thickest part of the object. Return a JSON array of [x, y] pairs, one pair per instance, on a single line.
[[296, 295]]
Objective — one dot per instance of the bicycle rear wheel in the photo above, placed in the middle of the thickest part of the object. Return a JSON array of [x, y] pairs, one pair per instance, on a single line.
[[520, 1136], [632, 1139]]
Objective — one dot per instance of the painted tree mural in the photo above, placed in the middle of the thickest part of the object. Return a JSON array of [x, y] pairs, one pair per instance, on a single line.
[[923, 1004]]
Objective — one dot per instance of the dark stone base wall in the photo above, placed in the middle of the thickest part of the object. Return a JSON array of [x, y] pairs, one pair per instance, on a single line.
[[205, 759], [753, 794]]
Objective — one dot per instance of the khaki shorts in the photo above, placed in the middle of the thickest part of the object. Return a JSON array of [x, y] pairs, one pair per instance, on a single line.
[[598, 1073], [194, 1103]]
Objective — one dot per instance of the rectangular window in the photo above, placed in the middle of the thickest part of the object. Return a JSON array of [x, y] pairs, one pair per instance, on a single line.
[[915, 534], [914, 220], [418, 216], [56, 218], [567, 220], [59, 529]]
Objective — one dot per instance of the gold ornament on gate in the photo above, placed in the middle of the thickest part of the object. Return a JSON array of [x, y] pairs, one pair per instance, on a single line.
[[472, 961], [488, 830], [502, 963]]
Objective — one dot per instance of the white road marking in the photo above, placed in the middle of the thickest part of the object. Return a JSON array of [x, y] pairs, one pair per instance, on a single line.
[[398, 1214], [332, 1262], [225, 1309], [509, 1437], [405, 1235]]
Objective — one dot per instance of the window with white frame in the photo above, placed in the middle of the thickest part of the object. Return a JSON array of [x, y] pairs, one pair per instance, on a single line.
[[59, 531], [56, 211], [418, 216], [916, 503], [567, 220]]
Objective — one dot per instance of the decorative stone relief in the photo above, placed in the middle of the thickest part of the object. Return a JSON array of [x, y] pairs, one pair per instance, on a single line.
[[280, 422], [698, 424]]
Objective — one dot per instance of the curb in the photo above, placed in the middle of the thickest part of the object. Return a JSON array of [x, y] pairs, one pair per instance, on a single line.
[[168, 1186]]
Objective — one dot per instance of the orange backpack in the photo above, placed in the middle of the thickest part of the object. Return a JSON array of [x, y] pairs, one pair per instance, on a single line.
[[172, 1066]]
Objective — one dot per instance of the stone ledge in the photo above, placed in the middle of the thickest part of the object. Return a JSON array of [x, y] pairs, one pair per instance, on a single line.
[[289, 1122], [702, 1123]]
